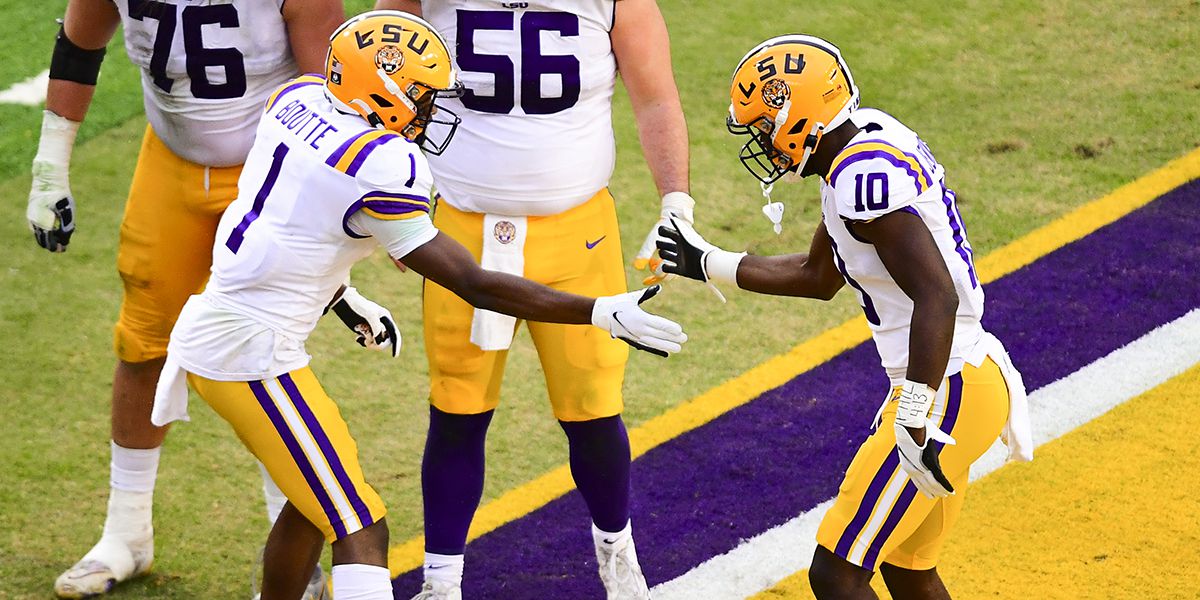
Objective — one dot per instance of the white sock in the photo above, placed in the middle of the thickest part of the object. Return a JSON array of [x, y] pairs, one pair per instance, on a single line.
[[131, 499], [361, 582], [608, 539], [446, 568], [273, 495], [133, 470]]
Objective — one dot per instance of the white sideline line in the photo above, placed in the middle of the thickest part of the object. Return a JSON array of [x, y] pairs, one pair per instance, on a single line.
[[761, 562], [31, 92]]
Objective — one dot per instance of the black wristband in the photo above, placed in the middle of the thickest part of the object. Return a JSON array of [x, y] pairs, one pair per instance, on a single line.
[[72, 63]]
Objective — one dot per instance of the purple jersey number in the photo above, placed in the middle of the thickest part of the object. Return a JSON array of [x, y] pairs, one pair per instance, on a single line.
[[199, 59], [234, 243], [534, 64]]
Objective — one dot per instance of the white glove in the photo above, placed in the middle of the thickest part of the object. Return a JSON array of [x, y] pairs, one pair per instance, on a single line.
[[920, 462], [51, 208], [623, 319], [675, 204], [373, 323]]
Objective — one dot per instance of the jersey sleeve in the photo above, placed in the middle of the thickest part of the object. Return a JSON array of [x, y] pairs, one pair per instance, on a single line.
[[394, 182], [872, 179]]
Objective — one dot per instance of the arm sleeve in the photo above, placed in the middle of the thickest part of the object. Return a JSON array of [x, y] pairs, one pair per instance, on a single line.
[[394, 184], [873, 182], [399, 236]]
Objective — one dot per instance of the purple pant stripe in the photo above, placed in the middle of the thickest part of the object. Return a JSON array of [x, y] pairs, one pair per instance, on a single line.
[[331, 456], [950, 419], [297, 452], [874, 491], [902, 503], [763, 463]]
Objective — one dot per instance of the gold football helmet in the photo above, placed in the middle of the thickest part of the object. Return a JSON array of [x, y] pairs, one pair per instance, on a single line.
[[390, 67], [786, 93]]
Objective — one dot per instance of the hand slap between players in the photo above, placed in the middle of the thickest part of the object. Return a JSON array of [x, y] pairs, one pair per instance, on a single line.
[[373, 323], [678, 205], [623, 318]]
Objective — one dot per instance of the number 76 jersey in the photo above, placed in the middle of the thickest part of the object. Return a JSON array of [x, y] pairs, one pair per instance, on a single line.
[[886, 168], [206, 69]]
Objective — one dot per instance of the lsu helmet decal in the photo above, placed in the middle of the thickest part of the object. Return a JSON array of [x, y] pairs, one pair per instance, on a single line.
[[390, 67], [786, 93]]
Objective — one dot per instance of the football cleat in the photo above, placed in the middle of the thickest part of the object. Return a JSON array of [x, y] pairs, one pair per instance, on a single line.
[[439, 590], [108, 563], [619, 569]]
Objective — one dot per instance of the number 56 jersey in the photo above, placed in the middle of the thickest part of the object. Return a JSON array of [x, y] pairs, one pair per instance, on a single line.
[[287, 243], [886, 168], [206, 67], [536, 135]]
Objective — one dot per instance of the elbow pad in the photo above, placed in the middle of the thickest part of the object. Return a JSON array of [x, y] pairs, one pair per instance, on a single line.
[[72, 63]]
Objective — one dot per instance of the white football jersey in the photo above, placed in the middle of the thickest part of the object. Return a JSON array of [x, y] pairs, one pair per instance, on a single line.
[[536, 135], [286, 244], [206, 69], [886, 168]]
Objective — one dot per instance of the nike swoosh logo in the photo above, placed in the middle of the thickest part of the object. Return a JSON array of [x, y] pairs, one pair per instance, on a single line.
[[608, 541], [591, 245]]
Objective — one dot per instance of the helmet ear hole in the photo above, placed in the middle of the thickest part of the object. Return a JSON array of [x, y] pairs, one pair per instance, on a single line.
[[381, 101], [394, 119]]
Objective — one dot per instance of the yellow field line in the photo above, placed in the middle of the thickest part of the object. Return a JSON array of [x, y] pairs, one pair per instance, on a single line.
[[778, 370]]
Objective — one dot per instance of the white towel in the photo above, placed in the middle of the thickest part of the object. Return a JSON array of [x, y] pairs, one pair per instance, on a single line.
[[170, 395], [1018, 432], [504, 252]]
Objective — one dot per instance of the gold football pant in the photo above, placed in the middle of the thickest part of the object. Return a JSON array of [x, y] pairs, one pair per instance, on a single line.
[[879, 516], [296, 431], [166, 243], [577, 251]]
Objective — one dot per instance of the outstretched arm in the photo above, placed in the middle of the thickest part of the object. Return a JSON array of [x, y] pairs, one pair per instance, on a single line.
[[448, 264], [813, 275]]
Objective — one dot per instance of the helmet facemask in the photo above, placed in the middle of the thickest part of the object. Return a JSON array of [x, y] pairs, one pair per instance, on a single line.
[[759, 154], [433, 125]]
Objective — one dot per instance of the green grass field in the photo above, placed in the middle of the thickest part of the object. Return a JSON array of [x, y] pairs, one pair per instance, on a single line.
[[1033, 107]]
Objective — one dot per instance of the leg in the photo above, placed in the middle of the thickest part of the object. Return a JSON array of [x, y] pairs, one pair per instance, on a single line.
[[169, 213], [290, 555], [834, 578], [296, 431], [599, 457], [585, 370], [879, 515], [905, 584], [464, 392]]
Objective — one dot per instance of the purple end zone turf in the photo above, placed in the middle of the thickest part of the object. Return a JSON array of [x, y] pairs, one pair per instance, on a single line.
[[763, 463]]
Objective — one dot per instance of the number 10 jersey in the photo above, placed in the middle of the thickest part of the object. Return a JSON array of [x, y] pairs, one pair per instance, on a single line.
[[206, 70], [536, 136]]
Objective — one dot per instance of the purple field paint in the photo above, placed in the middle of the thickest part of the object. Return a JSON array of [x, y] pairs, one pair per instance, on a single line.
[[763, 463]]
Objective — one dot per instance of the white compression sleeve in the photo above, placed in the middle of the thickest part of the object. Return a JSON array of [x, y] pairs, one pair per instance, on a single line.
[[399, 236]]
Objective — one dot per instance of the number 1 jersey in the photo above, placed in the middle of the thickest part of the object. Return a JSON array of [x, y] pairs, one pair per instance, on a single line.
[[536, 135], [287, 243], [887, 168], [206, 69]]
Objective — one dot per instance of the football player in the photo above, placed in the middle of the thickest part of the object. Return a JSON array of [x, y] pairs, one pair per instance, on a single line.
[[892, 231], [206, 69], [319, 192], [525, 188]]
